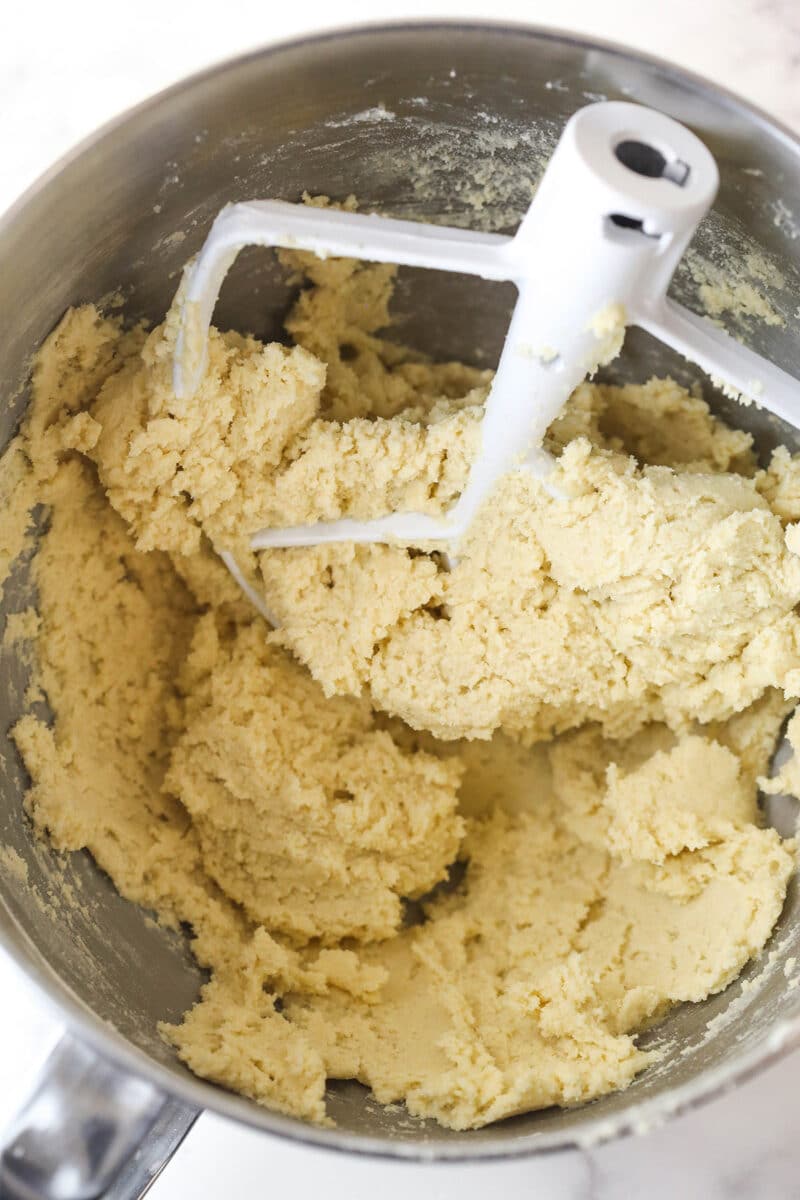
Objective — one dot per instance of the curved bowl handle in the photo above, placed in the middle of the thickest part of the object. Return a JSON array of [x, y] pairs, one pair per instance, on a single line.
[[89, 1130]]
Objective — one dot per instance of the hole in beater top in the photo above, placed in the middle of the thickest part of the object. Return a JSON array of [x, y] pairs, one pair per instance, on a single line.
[[641, 158]]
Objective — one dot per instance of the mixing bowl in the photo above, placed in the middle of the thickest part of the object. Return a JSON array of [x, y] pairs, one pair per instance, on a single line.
[[445, 122]]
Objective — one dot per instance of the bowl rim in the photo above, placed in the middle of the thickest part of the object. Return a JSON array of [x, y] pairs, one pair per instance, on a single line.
[[199, 1093]]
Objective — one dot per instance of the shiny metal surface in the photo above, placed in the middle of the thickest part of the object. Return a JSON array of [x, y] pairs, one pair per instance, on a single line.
[[444, 122], [89, 1130]]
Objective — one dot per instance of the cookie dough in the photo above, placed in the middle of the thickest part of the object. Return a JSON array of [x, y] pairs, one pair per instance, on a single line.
[[458, 835]]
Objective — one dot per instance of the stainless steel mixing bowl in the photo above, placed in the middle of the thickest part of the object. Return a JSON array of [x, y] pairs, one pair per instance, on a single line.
[[438, 121]]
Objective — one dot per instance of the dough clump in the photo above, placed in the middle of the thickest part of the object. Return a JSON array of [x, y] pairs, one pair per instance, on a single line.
[[460, 835]]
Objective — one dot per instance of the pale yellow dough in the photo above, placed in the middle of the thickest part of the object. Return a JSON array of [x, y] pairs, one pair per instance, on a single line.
[[621, 661]]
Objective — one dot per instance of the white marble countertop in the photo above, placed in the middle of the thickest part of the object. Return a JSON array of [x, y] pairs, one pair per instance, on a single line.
[[66, 68]]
